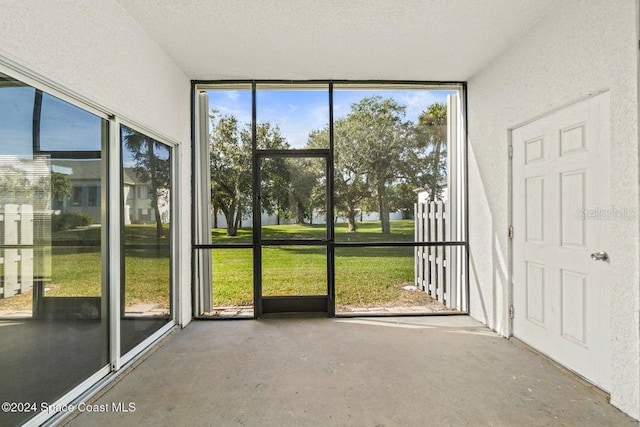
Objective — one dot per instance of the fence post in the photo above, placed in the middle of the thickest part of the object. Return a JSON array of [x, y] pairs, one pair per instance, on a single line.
[[416, 249], [433, 235], [26, 254], [438, 270], [11, 257], [2, 252], [439, 250]]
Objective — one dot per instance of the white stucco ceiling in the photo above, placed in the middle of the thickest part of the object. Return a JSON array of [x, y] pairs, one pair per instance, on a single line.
[[335, 39]]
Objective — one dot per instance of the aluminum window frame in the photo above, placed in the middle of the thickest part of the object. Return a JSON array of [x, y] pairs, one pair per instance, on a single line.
[[199, 86], [110, 246]]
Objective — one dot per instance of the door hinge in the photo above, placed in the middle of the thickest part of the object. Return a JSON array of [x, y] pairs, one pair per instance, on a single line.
[[511, 231], [511, 151], [511, 312]]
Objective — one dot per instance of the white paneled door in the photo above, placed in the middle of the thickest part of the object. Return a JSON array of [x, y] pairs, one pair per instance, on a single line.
[[561, 215]]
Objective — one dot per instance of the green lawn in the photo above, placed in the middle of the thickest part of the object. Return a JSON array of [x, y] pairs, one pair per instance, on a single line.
[[364, 276], [401, 231], [75, 269]]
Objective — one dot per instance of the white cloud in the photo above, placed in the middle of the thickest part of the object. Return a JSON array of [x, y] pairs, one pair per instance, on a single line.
[[232, 94], [418, 101]]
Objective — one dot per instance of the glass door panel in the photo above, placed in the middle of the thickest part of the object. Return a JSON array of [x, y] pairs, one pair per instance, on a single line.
[[293, 238], [293, 198], [146, 264], [294, 270]]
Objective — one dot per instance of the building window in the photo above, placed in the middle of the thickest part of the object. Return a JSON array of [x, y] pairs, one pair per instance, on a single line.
[[92, 197], [77, 196]]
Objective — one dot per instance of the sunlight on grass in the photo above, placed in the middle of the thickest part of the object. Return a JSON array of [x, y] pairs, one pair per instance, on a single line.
[[372, 276], [364, 276], [77, 270], [232, 277], [294, 270], [368, 231]]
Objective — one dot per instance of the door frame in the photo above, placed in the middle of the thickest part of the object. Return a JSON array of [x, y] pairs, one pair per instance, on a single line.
[[307, 304]]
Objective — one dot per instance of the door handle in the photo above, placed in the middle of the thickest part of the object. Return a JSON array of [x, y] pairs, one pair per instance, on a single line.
[[600, 256]]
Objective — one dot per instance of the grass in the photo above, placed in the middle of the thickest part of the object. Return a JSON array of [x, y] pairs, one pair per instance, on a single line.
[[401, 231], [75, 271], [364, 276]]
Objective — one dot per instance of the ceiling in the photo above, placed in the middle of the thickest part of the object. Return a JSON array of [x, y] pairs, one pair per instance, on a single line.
[[435, 40]]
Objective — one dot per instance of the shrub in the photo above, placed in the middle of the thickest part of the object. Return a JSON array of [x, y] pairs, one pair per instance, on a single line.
[[70, 220]]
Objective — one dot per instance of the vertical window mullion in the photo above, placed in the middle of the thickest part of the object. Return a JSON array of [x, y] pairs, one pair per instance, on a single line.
[[113, 239]]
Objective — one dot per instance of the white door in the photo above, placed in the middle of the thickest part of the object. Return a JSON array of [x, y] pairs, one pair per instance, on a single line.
[[561, 206]]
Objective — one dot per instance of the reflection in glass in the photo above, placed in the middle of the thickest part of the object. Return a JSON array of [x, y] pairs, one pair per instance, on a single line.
[[297, 113], [293, 198], [294, 270], [385, 280], [53, 313], [146, 197]]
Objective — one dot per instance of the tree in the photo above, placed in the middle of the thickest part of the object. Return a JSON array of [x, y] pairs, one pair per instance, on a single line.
[[60, 187], [230, 167], [380, 140], [306, 188], [432, 143], [350, 185], [152, 166]]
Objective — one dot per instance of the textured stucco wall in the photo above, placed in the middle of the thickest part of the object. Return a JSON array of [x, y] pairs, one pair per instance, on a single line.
[[578, 49], [97, 50]]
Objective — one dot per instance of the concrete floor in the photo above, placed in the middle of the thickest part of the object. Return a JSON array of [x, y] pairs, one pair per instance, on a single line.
[[412, 371]]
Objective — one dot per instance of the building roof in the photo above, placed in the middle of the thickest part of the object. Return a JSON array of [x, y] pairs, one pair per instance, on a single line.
[[90, 170]]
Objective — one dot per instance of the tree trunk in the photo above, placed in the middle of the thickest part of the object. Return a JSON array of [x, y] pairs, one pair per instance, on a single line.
[[238, 220], [299, 214], [154, 186], [383, 210], [351, 220], [436, 172], [231, 229], [156, 209], [228, 213], [215, 216]]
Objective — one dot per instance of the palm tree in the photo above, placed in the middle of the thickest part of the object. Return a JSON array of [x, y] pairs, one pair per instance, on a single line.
[[149, 166], [433, 127]]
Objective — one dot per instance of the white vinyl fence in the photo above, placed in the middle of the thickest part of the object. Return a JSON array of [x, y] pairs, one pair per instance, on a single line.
[[16, 224], [438, 269]]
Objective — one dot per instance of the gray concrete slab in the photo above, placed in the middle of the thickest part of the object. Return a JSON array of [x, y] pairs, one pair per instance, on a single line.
[[413, 371]]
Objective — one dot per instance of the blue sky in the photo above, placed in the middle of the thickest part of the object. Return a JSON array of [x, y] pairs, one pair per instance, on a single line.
[[298, 112], [63, 126]]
